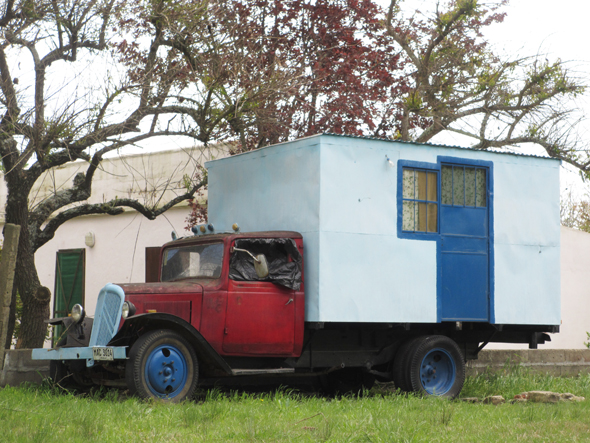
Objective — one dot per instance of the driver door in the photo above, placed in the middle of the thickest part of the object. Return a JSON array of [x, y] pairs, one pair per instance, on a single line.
[[260, 316], [260, 319]]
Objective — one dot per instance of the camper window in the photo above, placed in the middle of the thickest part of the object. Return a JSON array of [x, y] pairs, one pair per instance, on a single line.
[[463, 186], [420, 201]]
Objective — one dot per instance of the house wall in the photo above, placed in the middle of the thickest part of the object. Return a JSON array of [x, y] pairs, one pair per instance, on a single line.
[[341, 193], [118, 255], [575, 290]]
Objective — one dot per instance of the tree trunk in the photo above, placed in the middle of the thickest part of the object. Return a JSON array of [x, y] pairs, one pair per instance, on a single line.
[[35, 303], [405, 130]]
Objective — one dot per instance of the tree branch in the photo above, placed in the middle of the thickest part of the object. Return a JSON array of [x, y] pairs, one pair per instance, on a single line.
[[113, 207]]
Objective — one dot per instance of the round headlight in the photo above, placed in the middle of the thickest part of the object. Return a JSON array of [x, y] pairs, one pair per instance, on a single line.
[[78, 313], [128, 309]]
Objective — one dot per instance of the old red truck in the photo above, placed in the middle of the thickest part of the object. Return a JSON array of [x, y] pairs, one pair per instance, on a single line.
[[400, 262], [215, 313]]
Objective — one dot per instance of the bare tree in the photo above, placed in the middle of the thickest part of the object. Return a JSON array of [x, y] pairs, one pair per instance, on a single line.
[[459, 85], [190, 70], [575, 211]]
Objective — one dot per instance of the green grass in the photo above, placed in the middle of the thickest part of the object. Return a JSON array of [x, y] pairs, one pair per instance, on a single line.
[[47, 414]]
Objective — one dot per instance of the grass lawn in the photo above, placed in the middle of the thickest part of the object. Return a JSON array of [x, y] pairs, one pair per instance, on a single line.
[[47, 414]]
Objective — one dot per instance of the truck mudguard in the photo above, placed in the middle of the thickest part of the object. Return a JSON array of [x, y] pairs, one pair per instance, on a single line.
[[209, 359]]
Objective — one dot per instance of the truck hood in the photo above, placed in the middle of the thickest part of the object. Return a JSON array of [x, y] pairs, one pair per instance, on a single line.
[[192, 286]]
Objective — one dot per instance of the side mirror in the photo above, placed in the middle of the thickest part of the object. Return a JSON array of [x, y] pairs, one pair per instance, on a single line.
[[261, 266], [260, 263]]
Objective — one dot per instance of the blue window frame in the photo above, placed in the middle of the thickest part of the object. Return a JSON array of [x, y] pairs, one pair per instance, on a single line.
[[419, 200]]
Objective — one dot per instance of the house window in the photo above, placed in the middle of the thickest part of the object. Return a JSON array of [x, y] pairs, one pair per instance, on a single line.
[[463, 186], [420, 201]]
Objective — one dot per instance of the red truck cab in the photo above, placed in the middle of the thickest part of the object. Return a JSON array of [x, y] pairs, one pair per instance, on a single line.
[[210, 284]]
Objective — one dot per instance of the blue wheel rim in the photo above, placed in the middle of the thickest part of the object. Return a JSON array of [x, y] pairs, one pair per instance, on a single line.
[[166, 371], [437, 372]]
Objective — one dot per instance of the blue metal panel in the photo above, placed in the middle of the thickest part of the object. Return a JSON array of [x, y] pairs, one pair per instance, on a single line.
[[467, 245], [471, 222], [464, 282], [465, 285], [107, 315], [462, 248]]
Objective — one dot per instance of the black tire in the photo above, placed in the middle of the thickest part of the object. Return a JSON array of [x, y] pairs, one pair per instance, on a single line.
[[401, 373], [436, 366], [162, 365]]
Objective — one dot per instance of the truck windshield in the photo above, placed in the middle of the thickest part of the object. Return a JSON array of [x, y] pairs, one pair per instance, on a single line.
[[192, 262]]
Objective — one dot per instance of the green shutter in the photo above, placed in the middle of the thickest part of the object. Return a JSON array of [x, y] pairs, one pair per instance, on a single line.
[[69, 282]]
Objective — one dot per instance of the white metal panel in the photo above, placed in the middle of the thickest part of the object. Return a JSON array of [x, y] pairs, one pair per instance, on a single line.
[[367, 274], [526, 201], [526, 241], [376, 278], [274, 188], [311, 274], [527, 284], [359, 186]]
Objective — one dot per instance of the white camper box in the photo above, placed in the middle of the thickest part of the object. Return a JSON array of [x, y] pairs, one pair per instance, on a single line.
[[404, 232]]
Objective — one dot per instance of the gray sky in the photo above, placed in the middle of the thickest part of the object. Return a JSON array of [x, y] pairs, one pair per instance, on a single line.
[[559, 29]]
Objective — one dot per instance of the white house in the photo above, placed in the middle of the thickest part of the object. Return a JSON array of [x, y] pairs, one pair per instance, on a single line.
[[88, 252]]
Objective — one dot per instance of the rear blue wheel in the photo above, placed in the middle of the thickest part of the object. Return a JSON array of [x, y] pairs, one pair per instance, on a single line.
[[437, 372], [401, 365], [436, 366]]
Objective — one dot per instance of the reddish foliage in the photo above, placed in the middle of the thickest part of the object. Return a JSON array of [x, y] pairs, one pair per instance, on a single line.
[[281, 69], [198, 214], [350, 67]]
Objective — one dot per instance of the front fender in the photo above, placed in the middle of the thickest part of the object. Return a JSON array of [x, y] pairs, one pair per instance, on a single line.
[[211, 363], [73, 334]]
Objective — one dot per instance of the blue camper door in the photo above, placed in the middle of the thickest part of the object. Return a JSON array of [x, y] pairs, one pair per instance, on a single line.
[[464, 244]]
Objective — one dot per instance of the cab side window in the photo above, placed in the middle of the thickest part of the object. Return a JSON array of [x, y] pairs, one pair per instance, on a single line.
[[282, 255]]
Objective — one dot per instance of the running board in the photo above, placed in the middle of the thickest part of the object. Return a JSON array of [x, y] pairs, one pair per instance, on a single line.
[[262, 371]]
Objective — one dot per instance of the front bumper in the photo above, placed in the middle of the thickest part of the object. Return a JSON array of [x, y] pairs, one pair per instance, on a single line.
[[104, 327], [83, 353]]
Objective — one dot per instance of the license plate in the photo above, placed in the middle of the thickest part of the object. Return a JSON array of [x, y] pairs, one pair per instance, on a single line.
[[102, 353]]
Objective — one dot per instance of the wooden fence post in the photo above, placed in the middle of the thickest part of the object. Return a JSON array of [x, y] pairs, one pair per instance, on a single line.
[[7, 266]]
